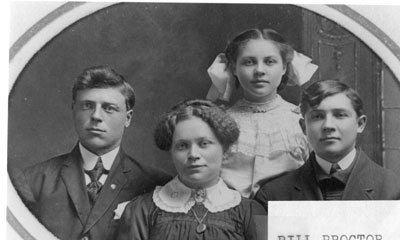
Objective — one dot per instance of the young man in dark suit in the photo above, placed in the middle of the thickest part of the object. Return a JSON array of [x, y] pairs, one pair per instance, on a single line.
[[336, 170], [74, 195]]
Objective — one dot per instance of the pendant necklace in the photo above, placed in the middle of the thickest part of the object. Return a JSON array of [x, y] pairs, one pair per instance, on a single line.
[[201, 227], [199, 197]]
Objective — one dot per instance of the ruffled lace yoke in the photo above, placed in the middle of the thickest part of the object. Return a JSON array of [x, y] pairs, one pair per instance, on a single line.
[[246, 106], [268, 127], [271, 142], [176, 197]]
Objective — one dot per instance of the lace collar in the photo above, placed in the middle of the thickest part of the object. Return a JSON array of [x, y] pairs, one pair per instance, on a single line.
[[247, 106], [176, 197]]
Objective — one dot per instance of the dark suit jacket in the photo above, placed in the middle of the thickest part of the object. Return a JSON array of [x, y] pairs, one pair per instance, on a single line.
[[55, 191], [367, 181]]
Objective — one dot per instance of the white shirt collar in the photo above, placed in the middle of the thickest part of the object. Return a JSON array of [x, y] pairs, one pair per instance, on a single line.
[[343, 163], [177, 197], [90, 159]]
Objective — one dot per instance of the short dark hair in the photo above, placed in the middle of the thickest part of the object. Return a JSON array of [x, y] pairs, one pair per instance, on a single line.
[[286, 50], [104, 77], [223, 126], [318, 91]]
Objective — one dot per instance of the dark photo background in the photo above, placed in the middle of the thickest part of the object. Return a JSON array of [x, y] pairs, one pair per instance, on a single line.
[[163, 50]]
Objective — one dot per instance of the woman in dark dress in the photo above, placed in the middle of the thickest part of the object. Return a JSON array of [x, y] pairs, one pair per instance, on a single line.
[[196, 204]]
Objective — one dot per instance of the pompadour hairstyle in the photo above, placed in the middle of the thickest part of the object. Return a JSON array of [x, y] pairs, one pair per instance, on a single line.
[[223, 126], [104, 77]]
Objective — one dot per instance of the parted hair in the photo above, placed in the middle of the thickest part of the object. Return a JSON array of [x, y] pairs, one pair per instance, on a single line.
[[104, 77], [223, 126], [312, 96], [286, 50]]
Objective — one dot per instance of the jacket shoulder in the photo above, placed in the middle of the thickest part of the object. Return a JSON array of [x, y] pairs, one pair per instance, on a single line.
[[385, 182], [279, 186], [283, 180], [155, 175], [28, 181], [382, 173], [51, 165]]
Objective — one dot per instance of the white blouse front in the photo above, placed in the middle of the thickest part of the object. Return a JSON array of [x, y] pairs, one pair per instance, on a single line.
[[271, 142]]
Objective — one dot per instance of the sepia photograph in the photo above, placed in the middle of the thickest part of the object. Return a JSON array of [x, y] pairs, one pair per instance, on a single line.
[[199, 120]]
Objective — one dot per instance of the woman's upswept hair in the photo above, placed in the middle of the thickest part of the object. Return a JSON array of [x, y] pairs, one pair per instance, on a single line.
[[223, 126]]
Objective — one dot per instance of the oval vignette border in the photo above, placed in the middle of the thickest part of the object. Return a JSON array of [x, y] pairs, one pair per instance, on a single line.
[[55, 22]]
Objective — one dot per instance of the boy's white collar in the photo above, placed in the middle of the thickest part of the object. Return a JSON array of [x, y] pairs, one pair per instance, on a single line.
[[344, 163], [176, 197]]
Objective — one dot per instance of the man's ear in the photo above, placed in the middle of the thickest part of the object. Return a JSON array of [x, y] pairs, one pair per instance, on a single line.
[[362, 122], [303, 125], [129, 115]]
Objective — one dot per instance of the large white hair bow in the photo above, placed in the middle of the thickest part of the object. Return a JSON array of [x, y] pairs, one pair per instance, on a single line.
[[223, 80], [303, 68]]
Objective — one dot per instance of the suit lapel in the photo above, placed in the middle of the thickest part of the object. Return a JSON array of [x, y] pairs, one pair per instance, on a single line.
[[360, 184], [307, 184], [111, 188], [72, 175]]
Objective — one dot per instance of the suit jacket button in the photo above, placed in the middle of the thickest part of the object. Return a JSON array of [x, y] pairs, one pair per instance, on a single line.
[[113, 186], [85, 238]]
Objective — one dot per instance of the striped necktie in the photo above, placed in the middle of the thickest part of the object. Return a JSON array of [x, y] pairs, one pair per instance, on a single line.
[[95, 185], [332, 188]]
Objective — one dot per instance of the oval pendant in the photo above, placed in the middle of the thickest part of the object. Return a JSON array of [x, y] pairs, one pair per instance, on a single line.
[[201, 228]]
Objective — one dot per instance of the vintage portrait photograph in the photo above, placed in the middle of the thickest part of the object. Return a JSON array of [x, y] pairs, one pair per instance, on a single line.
[[199, 120]]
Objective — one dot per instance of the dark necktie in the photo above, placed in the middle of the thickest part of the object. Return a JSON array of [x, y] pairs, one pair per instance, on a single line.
[[95, 185], [334, 168], [332, 188]]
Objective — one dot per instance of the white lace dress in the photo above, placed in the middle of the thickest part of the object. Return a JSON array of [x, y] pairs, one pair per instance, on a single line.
[[271, 142]]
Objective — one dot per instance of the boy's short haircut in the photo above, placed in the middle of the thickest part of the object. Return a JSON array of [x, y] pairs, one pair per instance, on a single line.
[[318, 91], [104, 77]]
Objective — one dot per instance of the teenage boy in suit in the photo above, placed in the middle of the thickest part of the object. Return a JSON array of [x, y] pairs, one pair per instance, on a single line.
[[336, 170], [74, 195]]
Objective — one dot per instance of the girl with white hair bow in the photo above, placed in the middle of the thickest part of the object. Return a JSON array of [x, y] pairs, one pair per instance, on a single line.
[[271, 141]]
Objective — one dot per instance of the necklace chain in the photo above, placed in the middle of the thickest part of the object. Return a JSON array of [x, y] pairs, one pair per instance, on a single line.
[[197, 218]]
